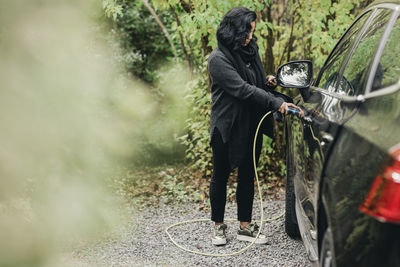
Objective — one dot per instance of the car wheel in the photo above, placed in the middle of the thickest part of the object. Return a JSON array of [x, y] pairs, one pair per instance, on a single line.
[[327, 250], [291, 226]]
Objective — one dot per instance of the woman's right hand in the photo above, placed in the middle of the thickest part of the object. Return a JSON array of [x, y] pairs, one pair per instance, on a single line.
[[284, 108]]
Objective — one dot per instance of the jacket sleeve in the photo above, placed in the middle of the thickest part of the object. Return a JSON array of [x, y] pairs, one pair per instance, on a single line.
[[226, 76]]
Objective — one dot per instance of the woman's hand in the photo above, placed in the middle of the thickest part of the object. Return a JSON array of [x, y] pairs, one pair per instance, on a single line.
[[284, 108], [271, 80]]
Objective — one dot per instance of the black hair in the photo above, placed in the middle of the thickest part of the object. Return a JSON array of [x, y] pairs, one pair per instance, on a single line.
[[235, 27]]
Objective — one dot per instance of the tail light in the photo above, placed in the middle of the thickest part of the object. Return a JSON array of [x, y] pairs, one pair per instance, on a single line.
[[383, 199]]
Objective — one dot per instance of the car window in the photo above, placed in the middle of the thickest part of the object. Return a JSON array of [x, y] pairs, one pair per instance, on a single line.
[[363, 55], [388, 70], [332, 66]]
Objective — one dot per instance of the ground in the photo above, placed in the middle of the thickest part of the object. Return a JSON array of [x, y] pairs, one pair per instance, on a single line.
[[161, 199], [143, 241]]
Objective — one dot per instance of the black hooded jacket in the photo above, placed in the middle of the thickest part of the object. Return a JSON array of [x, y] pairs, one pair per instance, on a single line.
[[240, 97]]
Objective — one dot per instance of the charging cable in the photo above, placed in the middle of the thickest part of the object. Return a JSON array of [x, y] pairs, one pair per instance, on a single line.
[[208, 220]]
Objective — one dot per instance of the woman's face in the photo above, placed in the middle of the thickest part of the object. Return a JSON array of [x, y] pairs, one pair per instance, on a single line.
[[248, 39]]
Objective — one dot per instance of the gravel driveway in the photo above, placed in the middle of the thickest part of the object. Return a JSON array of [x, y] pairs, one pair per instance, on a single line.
[[144, 242]]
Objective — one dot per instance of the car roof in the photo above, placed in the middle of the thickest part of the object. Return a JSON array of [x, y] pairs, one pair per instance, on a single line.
[[383, 2]]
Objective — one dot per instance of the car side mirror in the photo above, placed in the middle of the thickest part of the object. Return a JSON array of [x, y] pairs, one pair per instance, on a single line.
[[295, 74]]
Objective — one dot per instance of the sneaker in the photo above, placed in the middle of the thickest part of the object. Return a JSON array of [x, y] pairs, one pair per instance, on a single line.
[[219, 235], [249, 234]]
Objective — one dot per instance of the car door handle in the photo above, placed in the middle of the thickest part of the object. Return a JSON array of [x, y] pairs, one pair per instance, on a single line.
[[326, 138]]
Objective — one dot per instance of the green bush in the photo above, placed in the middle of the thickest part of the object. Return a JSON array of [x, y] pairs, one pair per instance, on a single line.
[[287, 30]]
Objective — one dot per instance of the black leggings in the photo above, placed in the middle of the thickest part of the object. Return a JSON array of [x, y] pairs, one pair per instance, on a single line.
[[219, 179]]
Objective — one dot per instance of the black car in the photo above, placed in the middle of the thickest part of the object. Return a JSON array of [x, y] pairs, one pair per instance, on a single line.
[[343, 154]]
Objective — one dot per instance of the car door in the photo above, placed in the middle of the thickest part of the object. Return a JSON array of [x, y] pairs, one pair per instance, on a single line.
[[315, 133], [361, 150]]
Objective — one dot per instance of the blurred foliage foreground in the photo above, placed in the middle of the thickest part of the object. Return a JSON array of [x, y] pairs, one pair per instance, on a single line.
[[68, 118]]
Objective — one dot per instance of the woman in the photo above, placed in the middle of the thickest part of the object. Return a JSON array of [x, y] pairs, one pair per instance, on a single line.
[[240, 96]]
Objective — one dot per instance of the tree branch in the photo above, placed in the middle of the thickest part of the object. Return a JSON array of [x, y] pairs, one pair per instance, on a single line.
[[164, 29], [269, 55], [185, 52]]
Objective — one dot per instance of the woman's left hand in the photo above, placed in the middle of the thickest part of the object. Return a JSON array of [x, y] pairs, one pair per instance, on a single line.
[[271, 80]]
